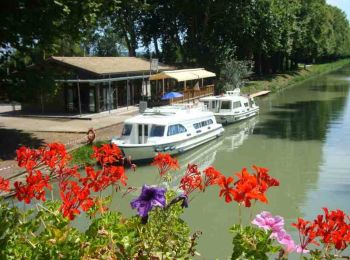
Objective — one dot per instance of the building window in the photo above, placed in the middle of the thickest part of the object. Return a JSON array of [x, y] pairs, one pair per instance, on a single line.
[[157, 131], [246, 104], [127, 130], [176, 129]]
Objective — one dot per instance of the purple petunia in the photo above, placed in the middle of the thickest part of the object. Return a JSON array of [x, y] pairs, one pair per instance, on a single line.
[[150, 197]]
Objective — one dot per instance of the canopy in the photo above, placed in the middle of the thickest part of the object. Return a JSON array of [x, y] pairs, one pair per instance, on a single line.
[[183, 75]]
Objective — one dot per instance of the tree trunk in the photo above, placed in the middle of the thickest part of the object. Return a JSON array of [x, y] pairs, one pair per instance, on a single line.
[[156, 48]]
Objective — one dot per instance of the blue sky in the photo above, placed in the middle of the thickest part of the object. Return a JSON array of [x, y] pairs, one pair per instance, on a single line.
[[342, 4]]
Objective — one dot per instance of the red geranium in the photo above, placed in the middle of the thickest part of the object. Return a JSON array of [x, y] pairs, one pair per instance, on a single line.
[[107, 154], [4, 185], [75, 197], [164, 162], [248, 188], [333, 229], [35, 186], [226, 188], [212, 176], [307, 233], [192, 179]]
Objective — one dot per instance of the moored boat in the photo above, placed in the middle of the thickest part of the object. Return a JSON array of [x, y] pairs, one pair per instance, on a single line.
[[169, 129], [231, 107]]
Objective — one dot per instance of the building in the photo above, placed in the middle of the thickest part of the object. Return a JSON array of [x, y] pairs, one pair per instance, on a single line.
[[97, 84]]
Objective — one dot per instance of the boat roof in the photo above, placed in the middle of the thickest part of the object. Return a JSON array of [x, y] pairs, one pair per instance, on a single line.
[[170, 115], [225, 98]]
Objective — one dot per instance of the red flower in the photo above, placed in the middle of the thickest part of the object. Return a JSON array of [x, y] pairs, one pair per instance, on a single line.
[[211, 176], [264, 179], [192, 179], [4, 185], [226, 188], [101, 179], [165, 163], [307, 233], [27, 158], [55, 155], [247, 188], [107, 154], [74, 197], [333, 229], [34, 187]]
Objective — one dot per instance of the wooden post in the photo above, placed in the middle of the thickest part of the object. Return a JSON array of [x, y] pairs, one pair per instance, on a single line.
[[109, 95], [127, 94], [97, 98], [79, 102]]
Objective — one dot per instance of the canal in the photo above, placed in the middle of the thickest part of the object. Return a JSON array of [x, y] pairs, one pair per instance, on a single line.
[[302, 136]]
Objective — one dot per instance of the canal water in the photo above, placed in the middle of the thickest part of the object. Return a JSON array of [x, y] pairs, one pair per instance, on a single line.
[[302, 136]]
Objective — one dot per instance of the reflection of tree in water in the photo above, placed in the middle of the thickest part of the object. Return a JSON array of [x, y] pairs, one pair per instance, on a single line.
[[293, 150], [306, 120]]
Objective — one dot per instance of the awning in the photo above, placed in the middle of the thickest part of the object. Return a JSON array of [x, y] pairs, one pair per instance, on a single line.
[[183, 75]]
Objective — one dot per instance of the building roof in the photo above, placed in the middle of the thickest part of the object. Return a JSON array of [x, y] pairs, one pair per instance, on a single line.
[[184, 75], [108, 65]]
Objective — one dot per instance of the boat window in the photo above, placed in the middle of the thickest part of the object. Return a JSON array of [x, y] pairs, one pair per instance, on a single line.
[[145, 129], [203, 123], [157, 130], [225, 104], [127, 130], [237, 104], [176, 129], [246, 104], [206, 104], [197, 125]]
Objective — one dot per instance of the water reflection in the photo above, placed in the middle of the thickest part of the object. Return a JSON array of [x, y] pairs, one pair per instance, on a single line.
[[306, 119]]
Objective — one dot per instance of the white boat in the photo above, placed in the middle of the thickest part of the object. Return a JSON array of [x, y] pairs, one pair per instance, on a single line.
[[169, 129], [231, 107]]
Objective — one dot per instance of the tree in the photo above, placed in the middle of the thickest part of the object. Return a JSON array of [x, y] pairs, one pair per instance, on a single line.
[[234, 72]]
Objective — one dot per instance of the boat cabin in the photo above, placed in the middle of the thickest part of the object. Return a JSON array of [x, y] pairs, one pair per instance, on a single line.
[[230, 102], [175, 122]]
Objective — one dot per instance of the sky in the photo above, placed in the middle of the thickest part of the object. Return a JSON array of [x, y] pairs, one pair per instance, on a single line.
[[342, 4]]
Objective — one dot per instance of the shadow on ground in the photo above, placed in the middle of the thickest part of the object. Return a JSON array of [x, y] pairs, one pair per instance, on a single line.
[[12, 139]]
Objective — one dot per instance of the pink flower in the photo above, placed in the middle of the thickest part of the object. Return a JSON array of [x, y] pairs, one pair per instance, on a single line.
[[299, 249], [267, 221], [285, 239]]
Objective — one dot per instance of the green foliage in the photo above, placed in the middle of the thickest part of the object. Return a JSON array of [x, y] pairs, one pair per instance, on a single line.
[[44, 233], [252, 243], [165, 234], [234, 72], [82, 155]]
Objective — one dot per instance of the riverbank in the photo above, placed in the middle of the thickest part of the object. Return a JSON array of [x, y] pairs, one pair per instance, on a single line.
[[279, 81]]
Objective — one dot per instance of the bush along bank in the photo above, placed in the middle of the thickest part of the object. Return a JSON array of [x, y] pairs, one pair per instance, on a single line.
[[279, 81], [157, 231]]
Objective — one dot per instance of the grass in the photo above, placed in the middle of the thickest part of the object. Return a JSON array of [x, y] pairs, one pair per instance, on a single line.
[[82, 155], [279, 81]]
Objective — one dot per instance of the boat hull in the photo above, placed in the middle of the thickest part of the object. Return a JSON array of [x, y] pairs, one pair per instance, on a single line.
[[144, 152], [229, 118]]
